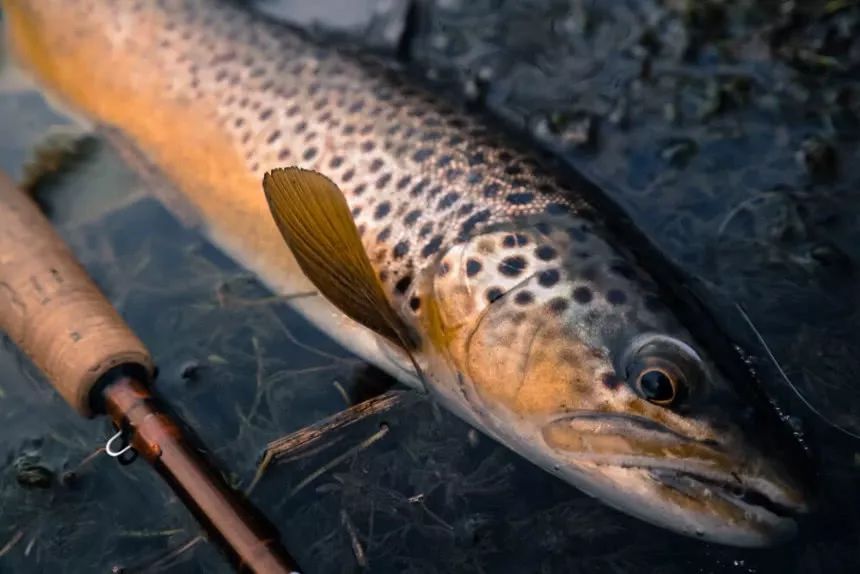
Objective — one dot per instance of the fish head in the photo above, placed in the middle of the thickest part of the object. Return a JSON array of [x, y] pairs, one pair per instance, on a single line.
[[562, 349]]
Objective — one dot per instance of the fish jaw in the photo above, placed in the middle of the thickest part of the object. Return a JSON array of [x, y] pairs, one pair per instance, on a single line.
[[677, 482], [541, 361]]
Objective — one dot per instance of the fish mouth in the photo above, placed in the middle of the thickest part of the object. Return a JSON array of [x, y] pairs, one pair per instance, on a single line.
[[717, 491]]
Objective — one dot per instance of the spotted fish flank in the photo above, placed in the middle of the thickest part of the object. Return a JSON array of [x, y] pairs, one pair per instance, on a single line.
[[521, 311]]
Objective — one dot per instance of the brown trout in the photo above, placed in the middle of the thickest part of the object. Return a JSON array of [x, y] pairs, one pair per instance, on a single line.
[[446, 257]]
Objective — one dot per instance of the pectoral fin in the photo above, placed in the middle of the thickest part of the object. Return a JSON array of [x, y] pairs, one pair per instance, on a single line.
[[315, 221]]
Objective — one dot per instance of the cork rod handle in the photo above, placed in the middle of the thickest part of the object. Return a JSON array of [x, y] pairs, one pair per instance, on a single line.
[[52, 310]]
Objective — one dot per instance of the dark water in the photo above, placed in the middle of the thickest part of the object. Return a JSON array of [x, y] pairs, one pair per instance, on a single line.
[[729, 131]]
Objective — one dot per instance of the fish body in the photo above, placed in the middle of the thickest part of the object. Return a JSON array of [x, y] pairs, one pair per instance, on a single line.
[[524, 315]]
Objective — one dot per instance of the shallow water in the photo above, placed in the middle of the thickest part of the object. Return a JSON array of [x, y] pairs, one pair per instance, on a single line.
[[689, 120]]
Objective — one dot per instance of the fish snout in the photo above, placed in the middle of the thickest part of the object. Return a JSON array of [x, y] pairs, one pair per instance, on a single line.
[[717, 490]]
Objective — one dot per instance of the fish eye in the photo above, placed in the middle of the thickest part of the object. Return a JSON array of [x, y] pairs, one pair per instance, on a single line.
[[658, 386], [663, 371]]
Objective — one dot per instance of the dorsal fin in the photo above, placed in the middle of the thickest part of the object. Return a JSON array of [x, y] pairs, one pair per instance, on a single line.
[[315, 221]]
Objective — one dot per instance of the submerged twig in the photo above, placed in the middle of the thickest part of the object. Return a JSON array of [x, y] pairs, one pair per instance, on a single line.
[[383, 430], [357, 548], [304, 438], [16, 538], [173, 555]]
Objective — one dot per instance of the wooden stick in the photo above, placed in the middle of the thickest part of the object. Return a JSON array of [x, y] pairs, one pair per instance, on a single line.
[[306, 437], [51, 308]]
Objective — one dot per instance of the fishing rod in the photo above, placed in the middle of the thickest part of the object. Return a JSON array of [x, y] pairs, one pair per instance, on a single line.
[[52, 310]]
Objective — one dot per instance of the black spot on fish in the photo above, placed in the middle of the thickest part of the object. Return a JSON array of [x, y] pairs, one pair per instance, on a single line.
[[348, 175], [443, 269], [524, 298], [513, 169], [455, 140], [611, 381], [512, 266], [383, 180], [382, 210], [466, 209], [476, 158], [616, 297], [431, 136], [493, 294], [582, 295], [300, 127], [376, 165], [453, 174], [474, 177], [422, 154], [403, 182], [425, 230], [336, 162], [412, 217], [473, 267], [348, 129], [356, 211], [419, 188], [414, 303], [555, 209], [356, 106], [283, 154], [367, 146], [310, 153], [557, 306], [401, 249], [491, 190], [520, 198], [515, 240], [435, 191], [548, 278], [432, 246], [546, 253], [384, 234], [447, 201], [505, 156], [403, 284], [359, 189], [469, 225], [443, 160], [546, 188]]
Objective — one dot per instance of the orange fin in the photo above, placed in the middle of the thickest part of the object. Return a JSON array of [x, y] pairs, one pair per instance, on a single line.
[[315, 221]]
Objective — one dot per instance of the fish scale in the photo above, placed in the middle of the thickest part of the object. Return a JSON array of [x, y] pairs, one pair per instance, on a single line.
[[530, 320]]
